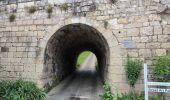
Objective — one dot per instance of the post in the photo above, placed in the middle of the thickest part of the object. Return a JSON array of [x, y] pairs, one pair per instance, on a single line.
[[146, 81]]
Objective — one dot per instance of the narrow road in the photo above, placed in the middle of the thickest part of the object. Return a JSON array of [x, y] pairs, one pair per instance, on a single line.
[[84, 84]]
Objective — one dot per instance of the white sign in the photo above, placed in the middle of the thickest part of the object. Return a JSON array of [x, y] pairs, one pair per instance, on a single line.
[[147, 84], [158, 90]]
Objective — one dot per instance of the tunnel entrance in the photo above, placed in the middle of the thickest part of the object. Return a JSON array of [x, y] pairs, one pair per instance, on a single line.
[[64, 47]]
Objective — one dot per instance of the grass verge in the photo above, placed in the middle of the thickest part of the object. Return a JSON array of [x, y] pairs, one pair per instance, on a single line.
[[82, 57]]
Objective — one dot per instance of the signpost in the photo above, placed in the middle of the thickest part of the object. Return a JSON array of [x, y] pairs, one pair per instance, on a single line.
[[147, 84]]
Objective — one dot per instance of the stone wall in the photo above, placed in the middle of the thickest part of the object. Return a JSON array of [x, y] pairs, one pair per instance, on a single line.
[[140, 28]]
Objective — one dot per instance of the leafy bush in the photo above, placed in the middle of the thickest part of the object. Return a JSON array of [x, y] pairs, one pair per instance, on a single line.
[[133, 69], [107, 95], [20, 90], [161, 68]]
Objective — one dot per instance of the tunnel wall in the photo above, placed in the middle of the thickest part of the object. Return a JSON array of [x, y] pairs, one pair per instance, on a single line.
[[140, 28]]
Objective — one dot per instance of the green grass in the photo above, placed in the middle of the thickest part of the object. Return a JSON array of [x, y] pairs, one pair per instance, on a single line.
[[82, 57]]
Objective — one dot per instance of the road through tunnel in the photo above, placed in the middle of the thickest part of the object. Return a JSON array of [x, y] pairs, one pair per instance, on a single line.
[[64, 47]]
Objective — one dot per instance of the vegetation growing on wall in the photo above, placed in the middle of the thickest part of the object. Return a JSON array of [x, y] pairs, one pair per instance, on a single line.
[[113, 1], [64, 7], [133, 69], [12, 17], [20, 90], [31, 9], [49, 10], [161, 69]]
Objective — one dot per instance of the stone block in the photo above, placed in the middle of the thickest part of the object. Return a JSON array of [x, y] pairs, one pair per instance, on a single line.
[[166, 29], [153, 45], [39, 68], [38, 22], [165, 45], [29, 68], [145, 53], [144, 39], [10, 54], [21, 28], [133, 25], [154, 17], [33, 27], [133, 32], [19, 68], [160, 52], [122, 21], [15, 28], [163, 38], [145, 31], [136, 19], [140, 45], [20, 54], [136, 39], [133, 53], [154, 39], [32, 54], [21, 49]]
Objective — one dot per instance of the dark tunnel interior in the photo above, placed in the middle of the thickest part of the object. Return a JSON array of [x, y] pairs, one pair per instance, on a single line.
[[66, 44]]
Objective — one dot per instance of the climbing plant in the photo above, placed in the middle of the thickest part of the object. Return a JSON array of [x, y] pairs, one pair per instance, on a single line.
[[133, 69]]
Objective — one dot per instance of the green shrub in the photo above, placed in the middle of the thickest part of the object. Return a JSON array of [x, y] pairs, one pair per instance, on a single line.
[[161, 68], [20, 90], [107, 95], [133, 69]]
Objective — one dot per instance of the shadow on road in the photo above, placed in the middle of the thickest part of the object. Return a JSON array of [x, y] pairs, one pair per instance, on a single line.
[[84, 84]]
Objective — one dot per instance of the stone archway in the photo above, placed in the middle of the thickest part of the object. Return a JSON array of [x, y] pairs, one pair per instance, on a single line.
[[65, 41]]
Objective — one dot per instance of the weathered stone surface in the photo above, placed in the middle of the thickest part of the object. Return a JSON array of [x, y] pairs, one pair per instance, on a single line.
[[33, 44], [146, 31], [160, 52], [133, 32], [157, 30], [153, 45], [166, 29]]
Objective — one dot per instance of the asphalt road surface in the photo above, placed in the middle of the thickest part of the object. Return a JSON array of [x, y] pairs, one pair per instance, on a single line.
[[84, 84]]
